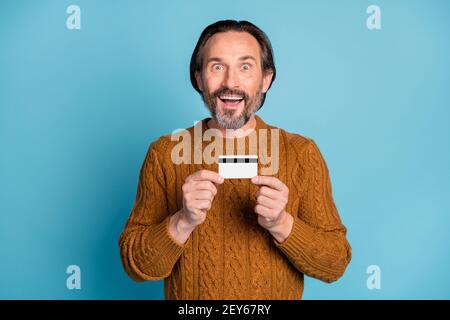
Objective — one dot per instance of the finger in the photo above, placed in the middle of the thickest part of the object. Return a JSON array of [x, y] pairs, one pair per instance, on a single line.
[[201, 204], [264, 220], [205, 185], [266, 202], [268, 181], [197, 212], [203, 195], [263, 211], [268, 192], [207, 175]]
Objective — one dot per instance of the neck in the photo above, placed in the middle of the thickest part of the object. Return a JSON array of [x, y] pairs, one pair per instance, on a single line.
[[245, 130]]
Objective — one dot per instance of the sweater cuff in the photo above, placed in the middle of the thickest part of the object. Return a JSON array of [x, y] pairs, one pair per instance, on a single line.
[[300, 238], [168, 247]]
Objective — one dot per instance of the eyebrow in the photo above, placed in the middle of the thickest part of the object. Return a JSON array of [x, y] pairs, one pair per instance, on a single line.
[[213, 59], [243, 58], [247, 58]]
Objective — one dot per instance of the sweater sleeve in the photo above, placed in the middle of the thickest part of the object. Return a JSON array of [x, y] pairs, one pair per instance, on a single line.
[[147, 250], [317, 245]]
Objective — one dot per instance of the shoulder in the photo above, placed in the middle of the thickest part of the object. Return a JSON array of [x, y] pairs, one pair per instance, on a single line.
[[161, 144], [305, 150], [160, 148], [292, 139], [299, 144]]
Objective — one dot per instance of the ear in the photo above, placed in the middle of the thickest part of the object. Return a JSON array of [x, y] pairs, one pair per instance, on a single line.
[[267, 80], [198, 78]]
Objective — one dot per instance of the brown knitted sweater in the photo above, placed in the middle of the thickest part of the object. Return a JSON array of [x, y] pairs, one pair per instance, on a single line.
[[230, 256]]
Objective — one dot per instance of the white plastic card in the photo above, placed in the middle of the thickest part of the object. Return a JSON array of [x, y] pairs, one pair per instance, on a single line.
[[238, 167]]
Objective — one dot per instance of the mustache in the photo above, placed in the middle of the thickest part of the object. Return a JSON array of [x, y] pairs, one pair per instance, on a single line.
[[228, 91]]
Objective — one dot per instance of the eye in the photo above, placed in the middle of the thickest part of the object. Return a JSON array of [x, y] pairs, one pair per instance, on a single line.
[[217, 67], [246, 66]]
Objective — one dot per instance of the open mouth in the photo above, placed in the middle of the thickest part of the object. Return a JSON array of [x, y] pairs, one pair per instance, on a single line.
[[231, 101]]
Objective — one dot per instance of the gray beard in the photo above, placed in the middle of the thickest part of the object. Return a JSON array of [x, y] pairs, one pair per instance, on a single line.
[[228, 120]]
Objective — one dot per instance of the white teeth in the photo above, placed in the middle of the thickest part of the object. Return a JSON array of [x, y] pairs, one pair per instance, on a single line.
[[231, 97]]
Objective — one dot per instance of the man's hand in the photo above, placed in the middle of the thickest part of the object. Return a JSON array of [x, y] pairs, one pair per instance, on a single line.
[[199, 190], [271, 200], [198, 193]]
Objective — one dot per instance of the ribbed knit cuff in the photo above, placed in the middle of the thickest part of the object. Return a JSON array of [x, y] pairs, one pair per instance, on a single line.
[[165, 251], [300, 238], [166, 245], [155, 252]]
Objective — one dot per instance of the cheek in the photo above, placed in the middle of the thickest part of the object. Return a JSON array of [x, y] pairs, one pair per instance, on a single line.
[[251, 83], [212, 82]]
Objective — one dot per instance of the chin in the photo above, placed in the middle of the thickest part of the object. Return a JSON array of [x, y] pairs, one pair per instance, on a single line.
[[236, 112]]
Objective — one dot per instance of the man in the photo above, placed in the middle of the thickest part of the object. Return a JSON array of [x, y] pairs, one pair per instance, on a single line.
[[215, 238]]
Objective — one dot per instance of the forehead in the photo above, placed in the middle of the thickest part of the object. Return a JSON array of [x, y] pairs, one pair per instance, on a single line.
[[232, 45]]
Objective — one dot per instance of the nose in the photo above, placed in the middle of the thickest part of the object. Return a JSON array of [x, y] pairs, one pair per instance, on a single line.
[[230, 80]]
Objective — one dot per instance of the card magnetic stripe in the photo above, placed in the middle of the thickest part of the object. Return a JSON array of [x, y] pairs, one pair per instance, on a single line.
[[238, 160]]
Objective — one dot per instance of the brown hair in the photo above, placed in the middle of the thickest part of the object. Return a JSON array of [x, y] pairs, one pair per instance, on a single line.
[[267, 61]]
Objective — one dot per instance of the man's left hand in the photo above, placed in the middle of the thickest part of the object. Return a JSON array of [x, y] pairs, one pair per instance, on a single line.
[[271, 200]]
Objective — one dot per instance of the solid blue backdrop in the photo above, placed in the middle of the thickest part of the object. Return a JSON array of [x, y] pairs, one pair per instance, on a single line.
[[79, 108]]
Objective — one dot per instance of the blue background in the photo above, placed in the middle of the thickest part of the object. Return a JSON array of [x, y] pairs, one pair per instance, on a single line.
[[79, 108]]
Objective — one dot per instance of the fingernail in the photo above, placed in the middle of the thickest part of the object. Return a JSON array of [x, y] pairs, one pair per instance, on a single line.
[[221, 179]]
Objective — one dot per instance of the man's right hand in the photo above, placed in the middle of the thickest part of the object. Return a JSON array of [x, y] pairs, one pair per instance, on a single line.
[[199, 190]]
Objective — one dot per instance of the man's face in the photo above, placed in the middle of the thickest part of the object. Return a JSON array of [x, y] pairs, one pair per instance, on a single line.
[[232, 80]]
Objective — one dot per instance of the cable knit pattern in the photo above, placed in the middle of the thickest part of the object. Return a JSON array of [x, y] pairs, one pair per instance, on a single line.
[[210, 254], [230, 256]]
